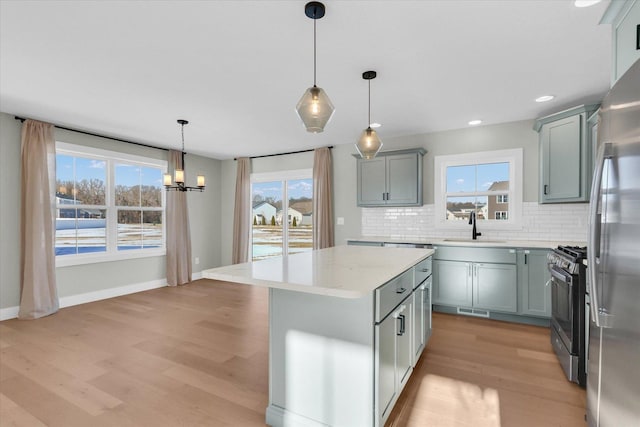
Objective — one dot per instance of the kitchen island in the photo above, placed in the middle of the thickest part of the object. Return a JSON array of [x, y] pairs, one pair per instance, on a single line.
[[346, 326]]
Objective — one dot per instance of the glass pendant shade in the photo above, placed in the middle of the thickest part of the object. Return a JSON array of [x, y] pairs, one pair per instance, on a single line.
[[369, 144], [315, 109]]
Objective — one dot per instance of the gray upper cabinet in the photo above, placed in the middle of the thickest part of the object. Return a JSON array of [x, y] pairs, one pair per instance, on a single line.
[[535, 293], [565, 155], [393, 178], [624, 17]]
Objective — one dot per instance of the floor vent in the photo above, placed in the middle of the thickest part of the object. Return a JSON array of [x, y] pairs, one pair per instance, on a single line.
[[473, 312]]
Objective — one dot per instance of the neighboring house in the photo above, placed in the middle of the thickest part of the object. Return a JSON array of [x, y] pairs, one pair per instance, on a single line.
[[292, 213], [461, 211], [498, 206], [263, 210], [305, 208]]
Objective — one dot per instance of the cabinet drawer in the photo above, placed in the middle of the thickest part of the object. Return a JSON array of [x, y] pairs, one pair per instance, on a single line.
[[423, 270], [457, 253], [389, 295]]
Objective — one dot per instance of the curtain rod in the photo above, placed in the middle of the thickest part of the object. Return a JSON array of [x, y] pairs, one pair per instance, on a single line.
[[22, 119], [284, 154]]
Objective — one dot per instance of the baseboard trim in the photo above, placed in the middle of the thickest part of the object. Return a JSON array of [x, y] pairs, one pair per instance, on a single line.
[[280, 417], [71, 300], [9, 313], [196, 276]]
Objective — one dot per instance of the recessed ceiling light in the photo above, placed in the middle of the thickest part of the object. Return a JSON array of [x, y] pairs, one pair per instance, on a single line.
[[475, 122], [545, 98], [586, 3], [375, 125]]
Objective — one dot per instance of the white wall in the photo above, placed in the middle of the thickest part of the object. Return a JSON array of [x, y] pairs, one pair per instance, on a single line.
[[204, 217]]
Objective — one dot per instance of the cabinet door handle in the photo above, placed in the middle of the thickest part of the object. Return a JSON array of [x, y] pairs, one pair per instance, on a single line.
[[545, 188], [469, 269], [402, 324], [525, 258]]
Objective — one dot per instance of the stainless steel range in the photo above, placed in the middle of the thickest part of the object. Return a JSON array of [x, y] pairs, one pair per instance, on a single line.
[[568, 288]]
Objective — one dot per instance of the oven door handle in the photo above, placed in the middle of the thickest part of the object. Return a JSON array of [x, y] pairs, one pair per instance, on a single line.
[[561, 275]]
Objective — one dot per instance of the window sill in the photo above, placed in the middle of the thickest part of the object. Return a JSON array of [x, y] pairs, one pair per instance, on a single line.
[[71, 260]]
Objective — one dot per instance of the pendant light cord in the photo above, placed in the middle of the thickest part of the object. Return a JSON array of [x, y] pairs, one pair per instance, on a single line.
[[369, 123], [314, 51]]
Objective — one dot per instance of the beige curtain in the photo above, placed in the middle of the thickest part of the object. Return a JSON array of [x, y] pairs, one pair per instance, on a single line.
[[38, 291], [322, 199], [242, 212], [178, 234]]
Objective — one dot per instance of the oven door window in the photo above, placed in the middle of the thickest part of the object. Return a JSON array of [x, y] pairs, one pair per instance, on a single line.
[[562, 304]]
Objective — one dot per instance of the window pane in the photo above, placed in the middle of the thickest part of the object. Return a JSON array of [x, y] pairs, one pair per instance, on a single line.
[[80, 180], [461, 178], [80, 231], [152, 229], [127, 185], [151, 194], [90, 181], [129, 230], [267, 219], [493, 177], [459, 208], [300, 192]]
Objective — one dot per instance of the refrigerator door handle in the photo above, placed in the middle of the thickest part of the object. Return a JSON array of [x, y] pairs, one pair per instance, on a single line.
[[593, 252]]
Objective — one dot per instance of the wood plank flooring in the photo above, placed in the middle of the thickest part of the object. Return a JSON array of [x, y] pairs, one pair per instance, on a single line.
[[197, 355]]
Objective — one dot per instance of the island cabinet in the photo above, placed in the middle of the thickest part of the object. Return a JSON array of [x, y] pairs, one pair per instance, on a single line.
[[533, 283], [565, 155], [346, 327], [476, 280], [392, 178]]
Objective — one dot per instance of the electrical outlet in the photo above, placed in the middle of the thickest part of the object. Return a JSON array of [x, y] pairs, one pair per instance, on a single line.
[[340, 220], [197, 260]]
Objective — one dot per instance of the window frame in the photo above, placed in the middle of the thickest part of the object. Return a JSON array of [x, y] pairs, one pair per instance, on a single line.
[[512, 156], [284, 177], [112, 158]]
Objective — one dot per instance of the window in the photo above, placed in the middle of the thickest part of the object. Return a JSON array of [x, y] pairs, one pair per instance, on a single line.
[[282, 205], [108, 205], [487, 183]]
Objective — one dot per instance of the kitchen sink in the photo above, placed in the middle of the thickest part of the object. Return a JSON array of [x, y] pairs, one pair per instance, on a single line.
[[474, 241]]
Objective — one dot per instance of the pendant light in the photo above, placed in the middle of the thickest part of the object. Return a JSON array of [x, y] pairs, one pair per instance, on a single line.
[[179, 176], [314, 108], [369, 144]]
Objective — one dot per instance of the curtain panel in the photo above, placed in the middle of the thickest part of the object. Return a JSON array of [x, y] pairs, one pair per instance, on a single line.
[[178, 232], [242, 212], [323, 233], [38, 290]]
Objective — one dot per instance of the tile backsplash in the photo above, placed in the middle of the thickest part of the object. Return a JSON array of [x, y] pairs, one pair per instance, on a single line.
[[555, 222]]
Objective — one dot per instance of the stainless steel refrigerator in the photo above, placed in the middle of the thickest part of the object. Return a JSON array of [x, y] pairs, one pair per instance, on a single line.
[[613, 375]]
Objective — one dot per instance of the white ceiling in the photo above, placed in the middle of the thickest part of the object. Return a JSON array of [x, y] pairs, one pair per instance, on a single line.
[[236, 69]]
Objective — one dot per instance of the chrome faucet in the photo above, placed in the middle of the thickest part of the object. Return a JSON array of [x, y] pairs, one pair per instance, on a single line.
[[472, 220]]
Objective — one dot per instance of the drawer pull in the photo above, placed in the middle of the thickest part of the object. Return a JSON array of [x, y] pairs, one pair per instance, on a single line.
[[425, 270], [401, 290]]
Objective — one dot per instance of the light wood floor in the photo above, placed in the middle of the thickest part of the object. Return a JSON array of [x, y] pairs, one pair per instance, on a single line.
[[197, 356]]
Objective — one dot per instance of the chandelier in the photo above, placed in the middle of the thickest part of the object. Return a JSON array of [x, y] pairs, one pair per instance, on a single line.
[[179, 176], [369, 143]]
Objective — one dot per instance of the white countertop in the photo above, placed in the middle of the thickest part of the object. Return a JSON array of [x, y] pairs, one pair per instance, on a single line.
[[341, 271], [500, 243]]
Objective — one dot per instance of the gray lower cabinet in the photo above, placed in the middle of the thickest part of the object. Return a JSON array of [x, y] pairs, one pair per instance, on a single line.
[[478, 285], [453, 284], [533, 283], [421, 317], [392, 178], [494, 287]]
